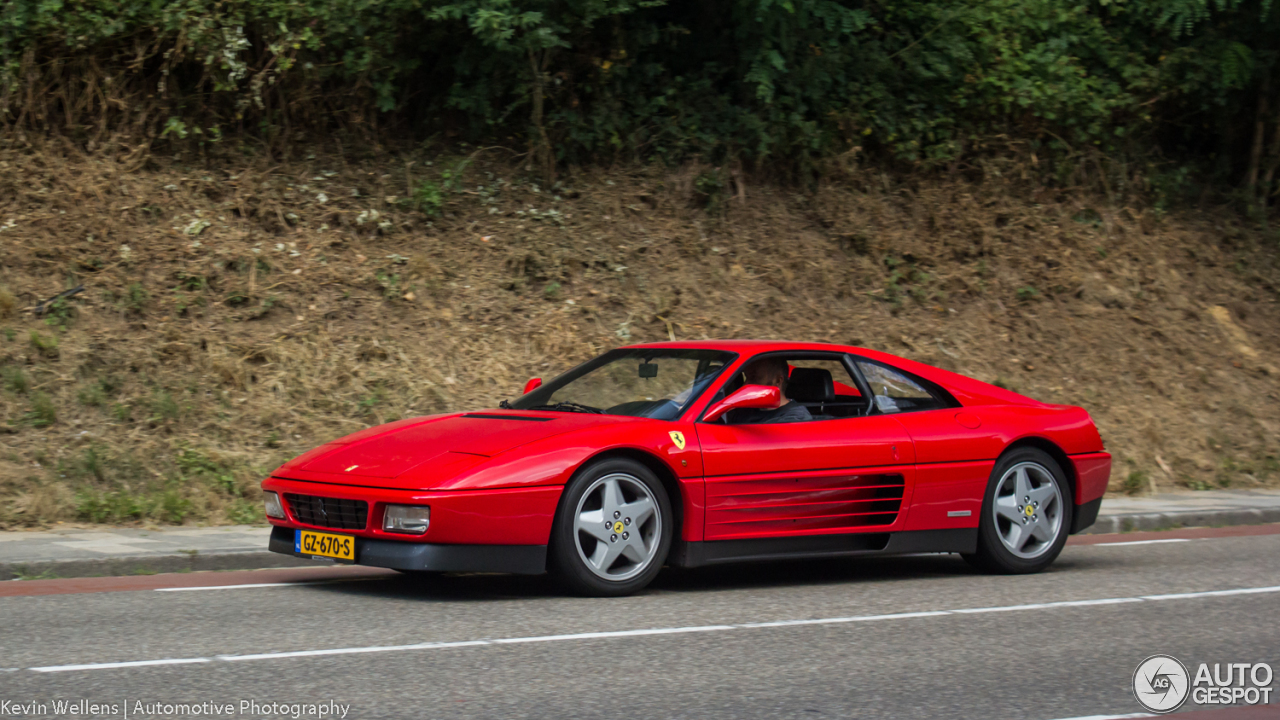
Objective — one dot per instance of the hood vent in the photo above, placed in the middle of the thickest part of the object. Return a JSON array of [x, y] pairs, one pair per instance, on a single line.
[[525, 418]]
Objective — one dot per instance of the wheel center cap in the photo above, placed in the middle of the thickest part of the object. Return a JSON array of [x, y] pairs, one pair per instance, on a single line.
[[617, 526], [1029, 511]]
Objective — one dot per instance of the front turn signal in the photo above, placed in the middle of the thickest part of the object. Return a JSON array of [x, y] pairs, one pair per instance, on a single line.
[[406, 519], [273, 506]]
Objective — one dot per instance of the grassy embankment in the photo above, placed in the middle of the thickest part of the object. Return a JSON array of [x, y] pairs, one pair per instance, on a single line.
[[237, 313]]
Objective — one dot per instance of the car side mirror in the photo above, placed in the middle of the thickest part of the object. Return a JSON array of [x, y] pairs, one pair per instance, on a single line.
[[533, 384], [766, 397]]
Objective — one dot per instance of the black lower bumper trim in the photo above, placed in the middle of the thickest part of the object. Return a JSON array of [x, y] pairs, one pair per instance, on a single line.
[[519, 559], [696, 554], [1085, 515]]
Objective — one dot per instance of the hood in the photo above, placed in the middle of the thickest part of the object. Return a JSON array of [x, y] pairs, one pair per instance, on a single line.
[[392, 450]]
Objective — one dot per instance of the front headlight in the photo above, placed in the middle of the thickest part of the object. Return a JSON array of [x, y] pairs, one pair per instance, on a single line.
[[407, 519], [272, 503]]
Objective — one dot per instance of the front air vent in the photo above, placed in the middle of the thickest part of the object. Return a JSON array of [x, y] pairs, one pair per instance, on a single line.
[[336, 513]]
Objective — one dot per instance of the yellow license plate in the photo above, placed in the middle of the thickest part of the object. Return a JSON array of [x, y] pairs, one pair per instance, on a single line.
[[339, 547]]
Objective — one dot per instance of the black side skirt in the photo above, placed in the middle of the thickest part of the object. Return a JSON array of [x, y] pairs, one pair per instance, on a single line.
[[519, 559], [696, 554]]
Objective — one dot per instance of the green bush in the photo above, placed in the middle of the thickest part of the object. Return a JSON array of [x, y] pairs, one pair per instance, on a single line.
[[108, 507], [14, 379], [761, 81], [116, 506], [164, 407], [1135, 482], [135, 298], [244, 512], [59, 313], [428, 197], [92, 396], [43, 413], [44, 346]]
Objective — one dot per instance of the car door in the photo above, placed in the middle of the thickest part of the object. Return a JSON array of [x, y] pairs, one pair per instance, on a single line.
[[844, 474], [954, 452]]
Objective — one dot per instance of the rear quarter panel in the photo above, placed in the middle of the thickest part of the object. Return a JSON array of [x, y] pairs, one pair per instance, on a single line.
[[954, 462]]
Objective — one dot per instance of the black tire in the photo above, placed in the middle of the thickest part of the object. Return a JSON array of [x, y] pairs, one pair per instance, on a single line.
[[566, 553], [993, 554]]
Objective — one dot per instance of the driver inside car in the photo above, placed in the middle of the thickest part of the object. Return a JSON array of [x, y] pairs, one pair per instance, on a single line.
[[768, 371]]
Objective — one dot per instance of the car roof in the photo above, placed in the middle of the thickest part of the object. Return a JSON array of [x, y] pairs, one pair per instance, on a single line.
[[752, 347], [739, 345], [969, 391]]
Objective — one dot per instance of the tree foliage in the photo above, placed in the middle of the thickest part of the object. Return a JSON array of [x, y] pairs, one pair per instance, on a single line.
[[781, 82]]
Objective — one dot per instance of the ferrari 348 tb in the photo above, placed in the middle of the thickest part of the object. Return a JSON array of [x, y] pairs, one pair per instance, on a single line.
[[665, 454]]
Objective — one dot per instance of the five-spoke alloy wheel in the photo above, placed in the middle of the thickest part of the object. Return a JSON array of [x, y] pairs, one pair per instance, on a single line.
[[612, 530], [1026, 514], [1027, 510]]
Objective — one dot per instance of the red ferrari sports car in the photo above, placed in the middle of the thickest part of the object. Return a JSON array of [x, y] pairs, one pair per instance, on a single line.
[[699, 453]]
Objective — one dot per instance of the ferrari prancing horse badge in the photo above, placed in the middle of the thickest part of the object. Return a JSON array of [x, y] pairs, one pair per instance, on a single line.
[[677, 437]]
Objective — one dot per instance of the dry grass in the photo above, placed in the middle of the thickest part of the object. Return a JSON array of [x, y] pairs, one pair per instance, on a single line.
[[8, 304], [240, 313]]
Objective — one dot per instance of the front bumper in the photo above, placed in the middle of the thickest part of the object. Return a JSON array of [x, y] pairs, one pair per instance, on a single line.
[[514, 516], [400, 555]]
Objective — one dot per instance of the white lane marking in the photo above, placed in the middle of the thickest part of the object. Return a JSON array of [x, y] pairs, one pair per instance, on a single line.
[[251, 585], [614, 634], [1110, 717], [669, 631], [353, 651], [1213, 593], [1042, 606], [1142, 542], [833, 621], [109, 666]]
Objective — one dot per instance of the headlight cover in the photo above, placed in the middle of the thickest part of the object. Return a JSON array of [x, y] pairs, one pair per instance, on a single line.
[[406, 519], [273, 506]]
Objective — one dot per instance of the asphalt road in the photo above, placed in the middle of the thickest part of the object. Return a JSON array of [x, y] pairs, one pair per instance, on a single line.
[[719, 643]]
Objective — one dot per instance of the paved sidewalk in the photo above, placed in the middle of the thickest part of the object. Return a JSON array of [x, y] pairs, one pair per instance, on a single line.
[[85, 552], [1188, 509]]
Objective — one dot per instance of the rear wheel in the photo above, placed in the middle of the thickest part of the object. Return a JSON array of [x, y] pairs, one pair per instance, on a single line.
[[1026, 514], [612, 530]]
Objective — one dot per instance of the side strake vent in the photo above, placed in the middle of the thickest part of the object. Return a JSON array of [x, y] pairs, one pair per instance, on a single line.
[[829, 503], [494, 416]]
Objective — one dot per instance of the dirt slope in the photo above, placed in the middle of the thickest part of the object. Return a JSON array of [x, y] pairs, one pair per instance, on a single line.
[[239, 312]]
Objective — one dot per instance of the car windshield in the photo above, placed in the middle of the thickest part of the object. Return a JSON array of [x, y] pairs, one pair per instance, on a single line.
[[653, 383]]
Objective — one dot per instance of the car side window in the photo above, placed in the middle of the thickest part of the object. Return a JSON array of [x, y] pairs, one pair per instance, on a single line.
[[825, 388], [895, 392], [822, 384]]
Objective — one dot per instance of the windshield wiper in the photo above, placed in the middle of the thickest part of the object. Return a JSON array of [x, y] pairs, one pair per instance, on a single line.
[[565, 405], [505, 405]]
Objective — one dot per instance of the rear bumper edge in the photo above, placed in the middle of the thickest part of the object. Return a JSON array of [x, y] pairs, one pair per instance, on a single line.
[[1086, 514], [518, 559]]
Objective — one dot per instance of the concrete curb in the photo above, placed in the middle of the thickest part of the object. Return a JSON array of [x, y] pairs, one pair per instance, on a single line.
[[259, 559], [1190, 518], [150, 564]]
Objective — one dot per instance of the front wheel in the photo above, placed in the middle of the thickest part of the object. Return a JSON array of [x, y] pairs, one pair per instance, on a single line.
[[1026, 514], [612, 530]]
